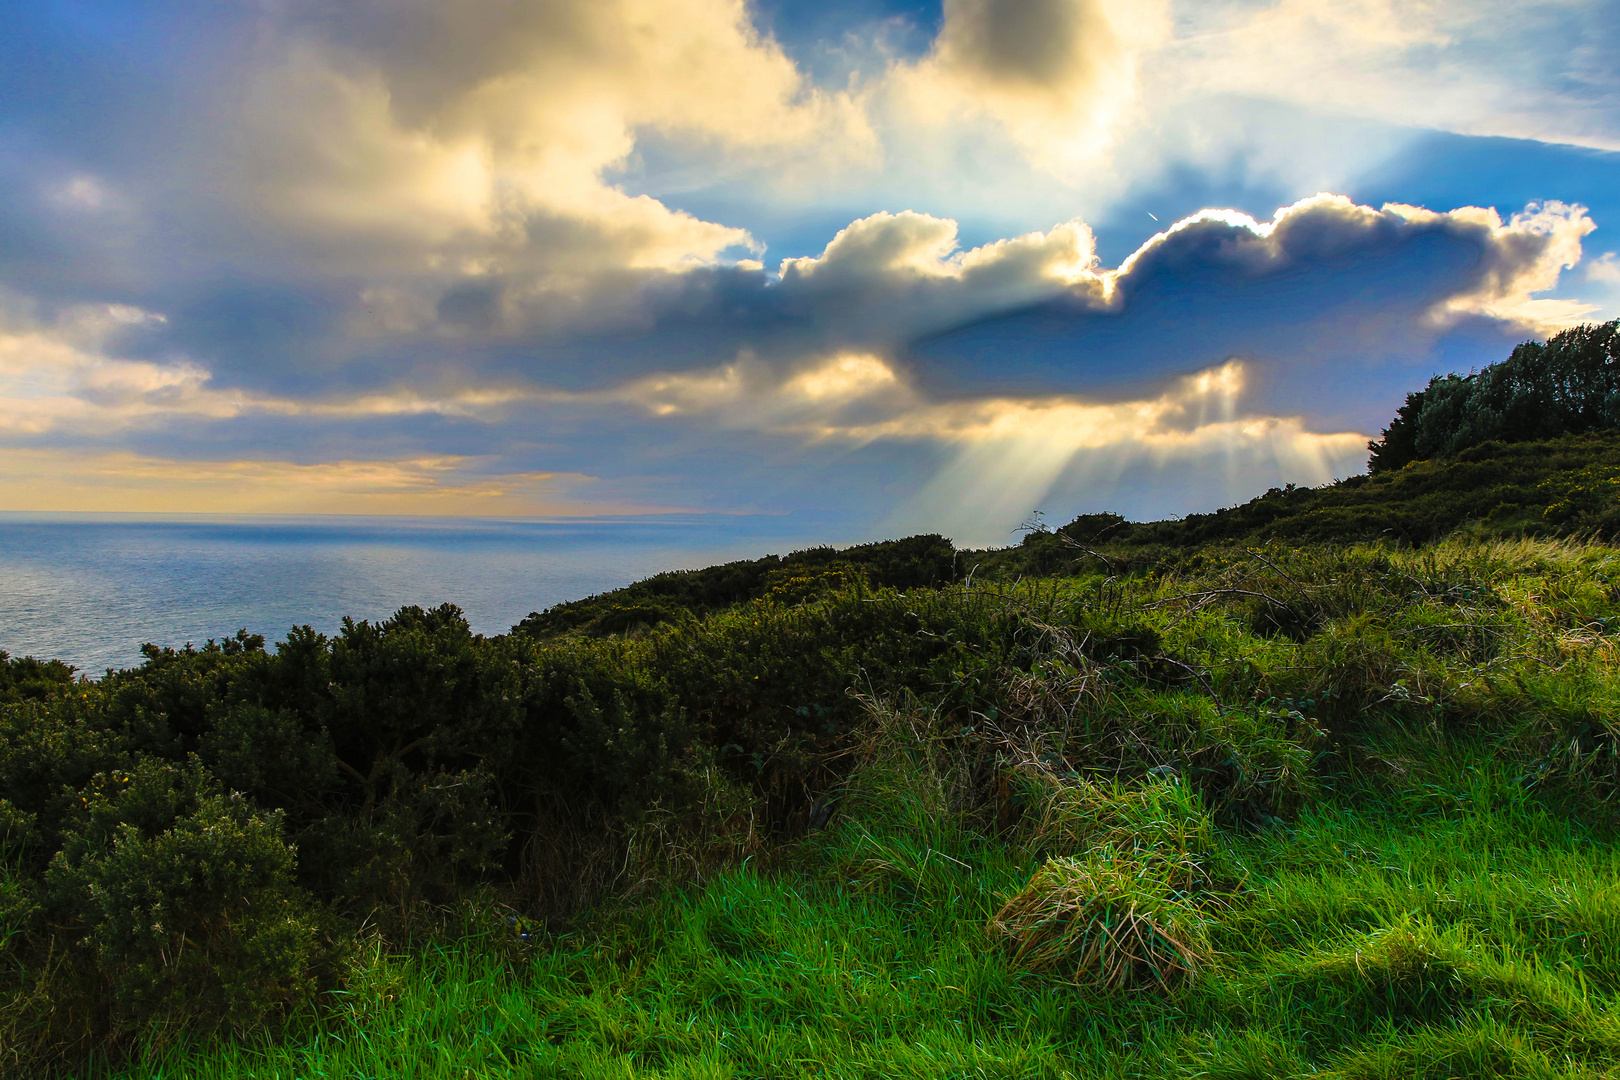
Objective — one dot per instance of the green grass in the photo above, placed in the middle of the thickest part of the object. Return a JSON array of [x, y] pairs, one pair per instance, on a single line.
[[1464, 928], [1325, 811]]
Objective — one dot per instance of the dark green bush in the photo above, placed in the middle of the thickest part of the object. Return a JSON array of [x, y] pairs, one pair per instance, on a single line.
[[26, 678], [184, 903], [915, 562], [269, 754], [409, 850]]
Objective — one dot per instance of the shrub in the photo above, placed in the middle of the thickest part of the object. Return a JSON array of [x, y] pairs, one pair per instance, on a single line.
[[47, 749], [25, 678], [410, 850], [269, 754], [185, 901]]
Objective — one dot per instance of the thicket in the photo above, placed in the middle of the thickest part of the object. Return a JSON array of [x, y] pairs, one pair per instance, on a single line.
[[1568, 385], [1275, 811], [194, 843]]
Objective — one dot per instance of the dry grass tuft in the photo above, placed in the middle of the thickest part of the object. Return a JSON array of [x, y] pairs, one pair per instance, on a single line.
[[1107, 922]]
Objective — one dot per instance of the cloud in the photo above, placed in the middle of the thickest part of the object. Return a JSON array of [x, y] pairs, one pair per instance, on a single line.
[[1058, 76], [454, 162], [473, 140], [455, 166], [54, 376], [909, 246], [1500, 268], [502, 257], [82, 193], [1477, 67], [1322, 280], [61, 376], [875, 341], [1002, 456], [1529, 254], [893, 276], [889, 276], [50, 479], [1605, 268]]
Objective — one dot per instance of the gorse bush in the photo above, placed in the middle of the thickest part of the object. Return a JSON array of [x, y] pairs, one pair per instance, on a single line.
[[187, 900]]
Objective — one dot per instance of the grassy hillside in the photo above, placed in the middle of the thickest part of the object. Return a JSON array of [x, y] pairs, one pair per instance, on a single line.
[[917, 561], [1555, 487], [1186, 810], [1547, 488]]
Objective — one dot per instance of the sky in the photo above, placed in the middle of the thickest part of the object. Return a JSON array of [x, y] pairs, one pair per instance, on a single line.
[[890, 267]]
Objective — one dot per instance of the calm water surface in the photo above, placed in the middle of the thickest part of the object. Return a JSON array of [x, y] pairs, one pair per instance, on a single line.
[[90, 589]]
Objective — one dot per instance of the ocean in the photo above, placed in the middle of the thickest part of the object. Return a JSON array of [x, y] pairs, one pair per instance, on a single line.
[[90, 589]]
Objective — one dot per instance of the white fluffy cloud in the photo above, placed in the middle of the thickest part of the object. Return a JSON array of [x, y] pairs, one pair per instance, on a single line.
[[1059, 76], [472, 141], [890, 276]]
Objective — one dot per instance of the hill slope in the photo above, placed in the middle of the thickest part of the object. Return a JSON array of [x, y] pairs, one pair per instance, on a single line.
[[1552, 487], [1557, 487], [1332, 809]]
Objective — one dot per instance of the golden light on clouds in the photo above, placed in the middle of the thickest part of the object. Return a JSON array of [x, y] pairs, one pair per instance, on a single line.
[[843, 378], [61, 480], [1003, 454], [458, 258]]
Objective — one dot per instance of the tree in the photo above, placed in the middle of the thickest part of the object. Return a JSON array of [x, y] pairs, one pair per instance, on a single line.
[[1569, 385]]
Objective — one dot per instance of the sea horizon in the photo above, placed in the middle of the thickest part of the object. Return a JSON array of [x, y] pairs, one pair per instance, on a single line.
[[90, 588]]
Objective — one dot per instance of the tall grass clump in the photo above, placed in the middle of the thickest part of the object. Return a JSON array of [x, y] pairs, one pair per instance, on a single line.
[[1120, 900], [1111, 922]]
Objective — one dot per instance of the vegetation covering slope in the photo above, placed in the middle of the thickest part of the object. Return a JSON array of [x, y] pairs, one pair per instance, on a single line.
[[1271, 812], [1555, 487], [1561, 486], [915, 562], [1222, 797]]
